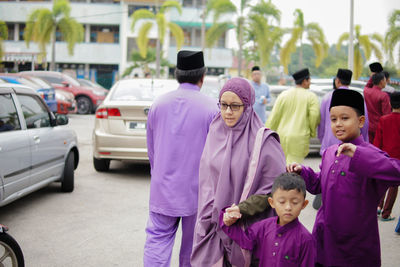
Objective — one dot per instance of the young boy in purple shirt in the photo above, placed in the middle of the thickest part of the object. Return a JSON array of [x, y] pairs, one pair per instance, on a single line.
[[282, 240], [353, 178]]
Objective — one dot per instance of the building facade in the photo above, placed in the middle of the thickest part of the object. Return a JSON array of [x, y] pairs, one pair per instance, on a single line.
[[109, 40]]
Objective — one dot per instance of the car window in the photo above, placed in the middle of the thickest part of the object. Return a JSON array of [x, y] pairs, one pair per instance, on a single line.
[[8, 114], [42, 83], [52, 79], [142, 91], [36, 115]]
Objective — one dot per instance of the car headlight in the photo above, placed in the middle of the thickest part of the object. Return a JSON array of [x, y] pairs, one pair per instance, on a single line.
[[61, 97], [99, 92]]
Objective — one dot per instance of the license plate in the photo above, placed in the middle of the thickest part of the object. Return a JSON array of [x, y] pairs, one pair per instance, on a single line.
[[137, 125]]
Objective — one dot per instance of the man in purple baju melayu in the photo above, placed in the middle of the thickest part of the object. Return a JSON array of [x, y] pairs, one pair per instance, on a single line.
[[177, 128], [354, 176]]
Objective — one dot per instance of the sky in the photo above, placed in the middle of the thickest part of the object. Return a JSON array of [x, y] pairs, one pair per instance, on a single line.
[[333, 16]]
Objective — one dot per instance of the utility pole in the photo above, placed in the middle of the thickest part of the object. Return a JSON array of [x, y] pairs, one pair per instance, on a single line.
[[203, 25], [350, 59]]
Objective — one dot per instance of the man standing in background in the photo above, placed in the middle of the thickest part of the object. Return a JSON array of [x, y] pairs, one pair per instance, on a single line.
[[378, 102], [262, 93], [295, 117]]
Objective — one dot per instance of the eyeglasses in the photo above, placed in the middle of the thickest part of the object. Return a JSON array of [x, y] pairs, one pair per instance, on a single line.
[[233, 107]]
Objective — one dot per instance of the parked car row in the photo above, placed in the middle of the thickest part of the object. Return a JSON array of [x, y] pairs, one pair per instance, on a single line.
[[35, 149], [62, 93]]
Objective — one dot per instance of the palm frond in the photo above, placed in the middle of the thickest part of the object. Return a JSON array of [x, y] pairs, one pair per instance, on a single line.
[[299, 18], [3, 31], [365, 44], [394, 17], [223, 7], [61, 8], [377, 51], [141, 14], [161, 26], [178, 34], [72, 32], [215, 32], [267, 9], [142, 39], [170, 4], [344, 37]]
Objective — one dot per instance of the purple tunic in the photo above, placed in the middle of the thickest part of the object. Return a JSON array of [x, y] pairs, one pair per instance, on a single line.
[[346, 227], [177, 128], [279, 246], [325, 134]]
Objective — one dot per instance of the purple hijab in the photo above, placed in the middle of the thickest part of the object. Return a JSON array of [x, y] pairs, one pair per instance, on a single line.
[[223, 169]]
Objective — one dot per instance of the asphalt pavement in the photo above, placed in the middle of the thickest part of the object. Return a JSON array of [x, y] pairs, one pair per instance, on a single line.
[[102, 222]]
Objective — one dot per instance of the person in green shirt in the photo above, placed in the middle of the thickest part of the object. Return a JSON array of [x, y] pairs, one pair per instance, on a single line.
[[295, 116]]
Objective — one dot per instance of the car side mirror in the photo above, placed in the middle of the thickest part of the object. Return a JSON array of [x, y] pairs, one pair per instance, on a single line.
[[61, 119], [66, 84]]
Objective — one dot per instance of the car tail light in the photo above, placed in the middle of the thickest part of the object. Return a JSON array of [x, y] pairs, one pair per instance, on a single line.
[[103, 113]]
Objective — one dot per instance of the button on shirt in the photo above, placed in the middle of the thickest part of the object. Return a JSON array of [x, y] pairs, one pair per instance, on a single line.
[[275, 245]]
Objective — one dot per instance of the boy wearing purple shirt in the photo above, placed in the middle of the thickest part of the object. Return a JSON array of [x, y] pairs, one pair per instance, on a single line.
[[282, 240], [354, 176]]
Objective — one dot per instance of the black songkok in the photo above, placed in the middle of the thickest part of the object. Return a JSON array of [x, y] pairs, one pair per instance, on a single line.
[[189, 60], [344, 75], [255, 68], [395, 99], [347, 97], [375, 67], [301, 74]]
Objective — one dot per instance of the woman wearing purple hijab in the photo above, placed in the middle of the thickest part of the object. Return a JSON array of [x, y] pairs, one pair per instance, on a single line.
[[223, 170]]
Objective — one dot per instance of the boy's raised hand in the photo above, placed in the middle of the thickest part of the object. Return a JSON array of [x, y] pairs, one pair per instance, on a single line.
[[347, 149], [294, 167], [231, 215]]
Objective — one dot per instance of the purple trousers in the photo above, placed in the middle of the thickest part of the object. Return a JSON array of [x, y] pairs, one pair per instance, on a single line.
[[161, 230], [387, 205]]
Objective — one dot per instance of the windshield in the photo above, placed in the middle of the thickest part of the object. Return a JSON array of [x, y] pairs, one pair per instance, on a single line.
[[141, 90]]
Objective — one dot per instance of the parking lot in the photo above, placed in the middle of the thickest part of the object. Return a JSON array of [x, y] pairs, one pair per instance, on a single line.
[[102, 222]]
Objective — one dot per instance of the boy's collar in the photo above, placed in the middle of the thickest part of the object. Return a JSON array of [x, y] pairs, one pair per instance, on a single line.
[[356, 141], [286, 227]]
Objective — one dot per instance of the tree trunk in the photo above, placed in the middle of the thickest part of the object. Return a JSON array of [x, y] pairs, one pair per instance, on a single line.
[[53, 51], [158, 52], [240, 46], [301, 56], [203, 25]]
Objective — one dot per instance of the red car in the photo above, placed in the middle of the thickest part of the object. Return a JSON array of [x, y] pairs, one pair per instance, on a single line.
[[66, 103], [87, 98]]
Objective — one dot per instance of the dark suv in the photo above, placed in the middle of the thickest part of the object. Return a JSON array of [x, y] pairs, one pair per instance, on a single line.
[[87, 98]]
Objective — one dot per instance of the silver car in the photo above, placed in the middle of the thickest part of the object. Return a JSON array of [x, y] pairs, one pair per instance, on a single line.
[[120, 125], [34, 149]]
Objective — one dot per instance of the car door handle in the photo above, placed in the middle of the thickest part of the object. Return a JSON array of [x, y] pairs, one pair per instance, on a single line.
[[36, 139]]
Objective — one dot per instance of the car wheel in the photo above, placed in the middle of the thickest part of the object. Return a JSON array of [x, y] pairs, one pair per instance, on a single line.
[[10, 251], [84, 104], [101, 165], [67, 184]]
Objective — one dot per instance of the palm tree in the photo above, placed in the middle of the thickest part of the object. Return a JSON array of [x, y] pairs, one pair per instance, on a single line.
[[392, 37], [143, 63], [315, 36], [158, 18], [3, 36], [226, 7], [262, 31], [43, 23], [363, 47]]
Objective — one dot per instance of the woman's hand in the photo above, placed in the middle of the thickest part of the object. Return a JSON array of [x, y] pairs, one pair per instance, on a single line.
[[294, 167]]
